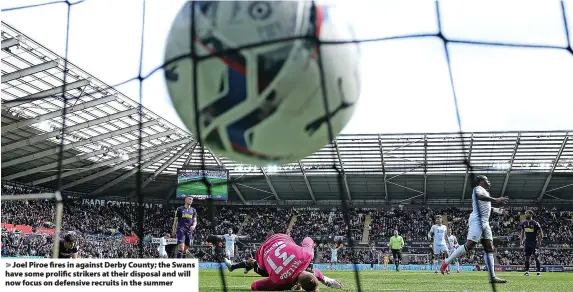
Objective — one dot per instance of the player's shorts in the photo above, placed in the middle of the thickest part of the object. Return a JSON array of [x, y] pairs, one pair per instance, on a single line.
[[229, 253], [397, 254], [185, 237], [440, 249], [334, 259], [478, 231], [530, 250]]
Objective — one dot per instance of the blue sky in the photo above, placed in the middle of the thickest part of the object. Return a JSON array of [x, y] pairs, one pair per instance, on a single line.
[[405, 82]]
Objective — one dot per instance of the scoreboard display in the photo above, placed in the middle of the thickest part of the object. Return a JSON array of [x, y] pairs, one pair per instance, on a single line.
[[197, 183]]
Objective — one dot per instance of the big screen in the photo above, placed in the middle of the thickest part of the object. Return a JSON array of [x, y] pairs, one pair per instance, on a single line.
[[190, 183]]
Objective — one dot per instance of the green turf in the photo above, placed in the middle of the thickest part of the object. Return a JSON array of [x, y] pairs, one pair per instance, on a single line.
[[197, 187], [407, 281]]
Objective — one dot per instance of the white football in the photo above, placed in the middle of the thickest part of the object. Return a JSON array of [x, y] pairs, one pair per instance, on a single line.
[[262, 104]]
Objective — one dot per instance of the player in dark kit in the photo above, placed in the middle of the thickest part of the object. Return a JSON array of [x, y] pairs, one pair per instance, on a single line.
[[68, 248], [251, 263], [531, 237], [184, 225]]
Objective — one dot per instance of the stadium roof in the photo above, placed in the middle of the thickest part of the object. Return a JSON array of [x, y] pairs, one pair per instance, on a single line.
[[100, 149]]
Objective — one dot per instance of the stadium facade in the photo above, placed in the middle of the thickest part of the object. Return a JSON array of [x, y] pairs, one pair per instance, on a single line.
[[101, 137]]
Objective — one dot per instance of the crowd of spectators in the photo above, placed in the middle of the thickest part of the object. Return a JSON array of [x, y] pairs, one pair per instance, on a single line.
[[15, 244], [328, 222], [261, 221], [414, 224], [101, 227]]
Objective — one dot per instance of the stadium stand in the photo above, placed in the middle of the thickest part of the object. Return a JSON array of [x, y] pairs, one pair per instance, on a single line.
[[398, 181], [103, 229]]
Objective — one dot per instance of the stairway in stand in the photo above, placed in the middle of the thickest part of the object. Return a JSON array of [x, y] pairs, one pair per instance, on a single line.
[[291, 224], [366, 230]]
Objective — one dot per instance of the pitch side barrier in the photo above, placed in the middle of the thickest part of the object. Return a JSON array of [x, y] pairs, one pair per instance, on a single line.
[[378, 267]]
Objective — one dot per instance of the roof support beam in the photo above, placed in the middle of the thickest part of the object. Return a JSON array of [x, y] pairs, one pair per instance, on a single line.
[[342, 169], [29, 71], [310, 191], [190, 156], [558, 188], [507, 174], [407, 171], [133, 160], [69, 129], [78, 144], [132, 157], [386, 197], [170, 194], [27, 122], [165, 165], [467, 168], [10, 42], [425, 167], [270, 185], [239, 193], [405, 145], [405, 187], [218, 161], [543, 191], [131, 172], [256, 189], [46, 93]]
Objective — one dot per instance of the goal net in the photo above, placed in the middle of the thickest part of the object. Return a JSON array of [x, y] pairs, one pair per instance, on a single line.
[[463, 54]]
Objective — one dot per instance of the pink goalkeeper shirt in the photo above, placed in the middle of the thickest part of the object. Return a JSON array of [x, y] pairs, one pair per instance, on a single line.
[[283, 259]]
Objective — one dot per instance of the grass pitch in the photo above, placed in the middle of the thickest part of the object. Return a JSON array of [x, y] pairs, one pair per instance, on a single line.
[[209, 280], [195, 186]]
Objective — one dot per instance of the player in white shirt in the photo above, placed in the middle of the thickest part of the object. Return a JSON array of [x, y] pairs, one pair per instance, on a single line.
[[230, 240], [334, 254], [161, 247], [438, 233], [453, 244], [479, 229]]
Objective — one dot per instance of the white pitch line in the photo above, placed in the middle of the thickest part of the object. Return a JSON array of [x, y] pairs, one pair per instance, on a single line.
[[377, 289], [219, 286]]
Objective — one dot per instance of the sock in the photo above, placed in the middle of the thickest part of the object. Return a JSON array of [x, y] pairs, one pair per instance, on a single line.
[[456, 254], [179, 254], [489, 260], [260, 271], [241, 265], [458, 265], [436, 264], [320, 276], [537, 265], [527, 265]]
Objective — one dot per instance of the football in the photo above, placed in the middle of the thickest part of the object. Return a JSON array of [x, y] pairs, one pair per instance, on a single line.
[[259, 94]]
